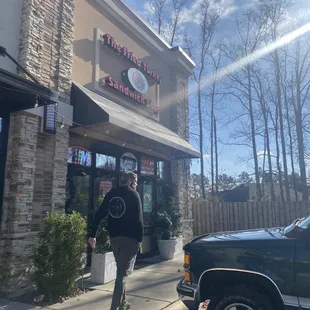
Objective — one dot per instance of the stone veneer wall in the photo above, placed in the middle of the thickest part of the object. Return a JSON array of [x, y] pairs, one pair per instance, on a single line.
[[36, 162], [43, 181], [46, 41], [60, 169], [16, 239], [34, 185], [180, 176], [50, 176]]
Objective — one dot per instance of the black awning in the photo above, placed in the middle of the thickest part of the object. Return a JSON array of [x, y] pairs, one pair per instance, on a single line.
[[91, 109], [17, 93]]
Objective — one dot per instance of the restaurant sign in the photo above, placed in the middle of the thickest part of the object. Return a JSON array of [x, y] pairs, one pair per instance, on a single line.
[[124, 52], [131, 94], [136, 80], [105, 187], [147, 166]]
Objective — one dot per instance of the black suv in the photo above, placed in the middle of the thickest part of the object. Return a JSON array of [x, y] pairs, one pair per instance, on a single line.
[[261, 269]]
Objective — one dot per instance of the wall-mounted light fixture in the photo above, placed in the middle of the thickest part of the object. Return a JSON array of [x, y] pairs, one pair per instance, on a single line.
[[62, 124], [50, 118]]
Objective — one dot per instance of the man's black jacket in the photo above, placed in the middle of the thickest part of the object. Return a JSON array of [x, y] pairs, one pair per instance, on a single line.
[[123, 207]]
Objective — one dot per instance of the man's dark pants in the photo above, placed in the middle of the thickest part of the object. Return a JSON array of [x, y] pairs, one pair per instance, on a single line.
[[124, 250]]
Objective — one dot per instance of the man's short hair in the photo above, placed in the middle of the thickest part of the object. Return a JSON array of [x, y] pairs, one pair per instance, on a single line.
[[128, 178]]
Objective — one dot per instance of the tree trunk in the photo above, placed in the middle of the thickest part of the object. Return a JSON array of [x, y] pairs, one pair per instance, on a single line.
[[270, 172], [279, 106], [265, 117], [290, 142], [173, 33], [300, 141], [263, 173], [216, 159], [212, 140], [203, 190], [278, 156], [301, 156], [253, 138]]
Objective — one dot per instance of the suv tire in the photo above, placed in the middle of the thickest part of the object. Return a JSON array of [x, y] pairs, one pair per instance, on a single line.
[[241, 297]]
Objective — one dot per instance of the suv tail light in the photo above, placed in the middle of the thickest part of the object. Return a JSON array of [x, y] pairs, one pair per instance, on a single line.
[[187, 273]]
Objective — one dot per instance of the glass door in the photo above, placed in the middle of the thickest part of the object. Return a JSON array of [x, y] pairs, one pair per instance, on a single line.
[[105, 179], [102, 185], [147, 190], [78, 190]]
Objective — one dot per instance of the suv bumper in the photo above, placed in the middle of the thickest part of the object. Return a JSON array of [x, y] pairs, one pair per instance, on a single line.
[[188, 293]]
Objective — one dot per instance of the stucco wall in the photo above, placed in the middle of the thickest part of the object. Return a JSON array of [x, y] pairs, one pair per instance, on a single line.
[[10, 19], [109, 63]]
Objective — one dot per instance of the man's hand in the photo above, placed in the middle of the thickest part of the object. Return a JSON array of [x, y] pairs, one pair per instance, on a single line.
[[92, 242]]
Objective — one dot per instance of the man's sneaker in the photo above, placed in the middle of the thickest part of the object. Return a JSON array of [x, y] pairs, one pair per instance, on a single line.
[[125, 306]]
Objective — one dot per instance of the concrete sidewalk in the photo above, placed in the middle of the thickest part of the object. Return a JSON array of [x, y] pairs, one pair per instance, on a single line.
[[152, 287]]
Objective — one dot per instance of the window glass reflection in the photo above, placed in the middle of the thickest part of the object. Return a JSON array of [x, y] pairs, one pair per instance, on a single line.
[[105, 162]]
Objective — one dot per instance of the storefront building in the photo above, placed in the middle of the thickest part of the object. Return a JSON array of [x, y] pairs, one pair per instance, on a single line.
[[130, 102]]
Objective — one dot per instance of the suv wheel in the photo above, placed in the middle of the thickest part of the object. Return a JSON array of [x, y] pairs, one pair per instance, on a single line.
[[241, 299]]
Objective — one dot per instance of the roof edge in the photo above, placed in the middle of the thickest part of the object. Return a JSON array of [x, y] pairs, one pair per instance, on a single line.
[[184, 55], [157, 41]]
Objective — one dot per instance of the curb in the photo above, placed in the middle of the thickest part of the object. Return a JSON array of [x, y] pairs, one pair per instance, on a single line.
[[177, 305]]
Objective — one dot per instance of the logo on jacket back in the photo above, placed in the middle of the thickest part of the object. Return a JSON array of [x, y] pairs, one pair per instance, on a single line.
[[117, 207]]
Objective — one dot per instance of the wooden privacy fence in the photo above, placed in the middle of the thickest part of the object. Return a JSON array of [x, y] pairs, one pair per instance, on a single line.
[[215, 217]]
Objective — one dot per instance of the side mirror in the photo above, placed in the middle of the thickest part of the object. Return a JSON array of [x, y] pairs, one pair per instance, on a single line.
[[296, 233], [304, 236]]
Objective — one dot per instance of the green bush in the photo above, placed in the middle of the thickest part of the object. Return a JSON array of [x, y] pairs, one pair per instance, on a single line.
[[167, 219], [57, 258], [103, 243]]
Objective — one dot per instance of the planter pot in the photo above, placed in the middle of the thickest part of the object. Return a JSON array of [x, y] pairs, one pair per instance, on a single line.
[[103, 268], [179, 246], [167, 248]]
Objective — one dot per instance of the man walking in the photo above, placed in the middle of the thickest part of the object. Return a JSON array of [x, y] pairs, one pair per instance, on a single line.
[[122, 206]]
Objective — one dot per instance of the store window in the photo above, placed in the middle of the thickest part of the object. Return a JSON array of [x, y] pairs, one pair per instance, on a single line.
[[105, 162], [147, 166], [163, 170], [147, 197], [79, 156], [78, 182], [128, 163], [103, 184]]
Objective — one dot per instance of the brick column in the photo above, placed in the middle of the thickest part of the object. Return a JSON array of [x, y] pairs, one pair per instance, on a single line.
[[180, 176], [60, 169], [16, 240]]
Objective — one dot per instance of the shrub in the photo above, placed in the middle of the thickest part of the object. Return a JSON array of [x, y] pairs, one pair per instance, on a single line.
[[103, 243], [167, 219], [57, 258]]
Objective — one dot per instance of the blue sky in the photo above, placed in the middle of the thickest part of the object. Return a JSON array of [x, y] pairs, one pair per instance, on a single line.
[[232, 159]]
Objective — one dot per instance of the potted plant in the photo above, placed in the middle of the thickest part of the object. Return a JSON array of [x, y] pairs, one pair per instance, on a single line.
[[103, 265], [167, 223]]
